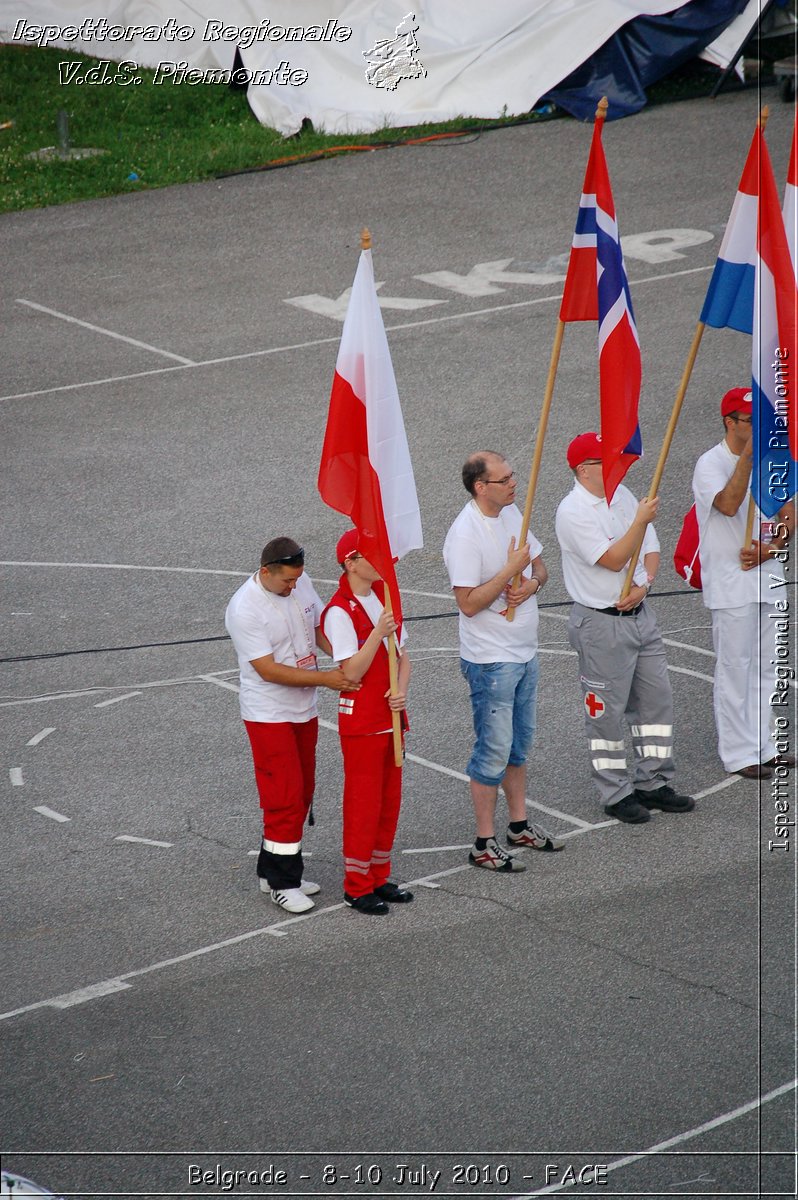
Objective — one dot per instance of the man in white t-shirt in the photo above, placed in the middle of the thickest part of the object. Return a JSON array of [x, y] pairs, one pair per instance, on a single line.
[[498, 658], [623, 672], [743, 587], [273, 620]]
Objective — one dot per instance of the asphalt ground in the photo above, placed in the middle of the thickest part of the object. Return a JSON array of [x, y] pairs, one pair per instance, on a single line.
[[624, 1009]]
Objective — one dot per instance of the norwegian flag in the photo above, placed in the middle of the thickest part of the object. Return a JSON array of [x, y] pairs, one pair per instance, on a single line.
[[775, 345], [596, 289]]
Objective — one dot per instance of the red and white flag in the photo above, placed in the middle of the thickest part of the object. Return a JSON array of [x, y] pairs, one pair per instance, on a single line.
[[365, 469], [790, 209]]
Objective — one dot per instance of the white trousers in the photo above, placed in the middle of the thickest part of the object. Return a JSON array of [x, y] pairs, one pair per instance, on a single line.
[[745, 645]]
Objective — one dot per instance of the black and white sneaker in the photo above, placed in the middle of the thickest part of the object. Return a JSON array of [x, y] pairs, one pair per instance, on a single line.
[[307, 887], [534, 838], [494, 858], [293, 900]]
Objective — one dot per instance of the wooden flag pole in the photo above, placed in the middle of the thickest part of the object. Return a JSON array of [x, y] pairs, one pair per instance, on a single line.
[[749, 524], [749, 521], [762, 120], [393, 670], [393, 676], [666, 444], [538, 453], [601, 113]]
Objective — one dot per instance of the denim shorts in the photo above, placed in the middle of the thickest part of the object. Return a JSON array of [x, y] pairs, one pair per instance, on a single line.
[[503, 699]]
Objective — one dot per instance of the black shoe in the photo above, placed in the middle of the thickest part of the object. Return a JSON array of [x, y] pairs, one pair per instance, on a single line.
[[781, 760], [393, 893], [629, 811], [754, 771], [665, 799], [370, 904]]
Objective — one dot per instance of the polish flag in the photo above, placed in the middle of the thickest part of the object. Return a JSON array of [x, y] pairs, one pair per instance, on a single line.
[[790, 209], [365, 469]]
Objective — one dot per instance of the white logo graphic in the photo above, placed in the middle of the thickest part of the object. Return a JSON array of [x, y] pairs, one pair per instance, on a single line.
[[393, 59]]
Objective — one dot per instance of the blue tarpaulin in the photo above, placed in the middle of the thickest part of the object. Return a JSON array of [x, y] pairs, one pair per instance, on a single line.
[[639, 54]]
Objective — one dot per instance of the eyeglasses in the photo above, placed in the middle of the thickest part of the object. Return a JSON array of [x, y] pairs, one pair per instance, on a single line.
[[737, 419], [288, 560], [502, 482]]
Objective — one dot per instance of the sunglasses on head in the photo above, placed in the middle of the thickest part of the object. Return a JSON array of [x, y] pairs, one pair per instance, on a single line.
[[288, 560]]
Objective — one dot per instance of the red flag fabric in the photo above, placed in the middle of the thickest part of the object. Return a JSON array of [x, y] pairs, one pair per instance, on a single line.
[[596, 289], [365, 469]]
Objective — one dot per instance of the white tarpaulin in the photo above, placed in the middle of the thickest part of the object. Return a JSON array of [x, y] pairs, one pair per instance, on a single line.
[[357, 67]]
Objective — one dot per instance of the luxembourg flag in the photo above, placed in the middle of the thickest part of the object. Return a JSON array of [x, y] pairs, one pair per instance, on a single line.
[[596, 289], [365, 469], [729, 301], [790, 208], [775, 415]]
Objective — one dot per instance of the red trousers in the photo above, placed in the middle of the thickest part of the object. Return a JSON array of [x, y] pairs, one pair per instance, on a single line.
[[284, 754], [372, 796]]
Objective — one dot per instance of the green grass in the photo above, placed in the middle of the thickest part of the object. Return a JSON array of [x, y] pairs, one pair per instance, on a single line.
[[164, 135], [172, 133]]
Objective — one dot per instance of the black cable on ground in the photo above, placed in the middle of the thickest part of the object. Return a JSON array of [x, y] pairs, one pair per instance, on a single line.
[[226, 638]]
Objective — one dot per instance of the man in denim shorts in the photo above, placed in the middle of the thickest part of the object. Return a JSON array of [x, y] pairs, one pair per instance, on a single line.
[[498, 658]]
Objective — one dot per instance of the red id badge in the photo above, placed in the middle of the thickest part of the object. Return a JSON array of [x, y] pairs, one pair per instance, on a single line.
[[308, 663]]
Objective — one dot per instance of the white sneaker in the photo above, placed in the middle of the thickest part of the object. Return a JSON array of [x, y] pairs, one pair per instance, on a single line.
[[307, 887], [293, 900]]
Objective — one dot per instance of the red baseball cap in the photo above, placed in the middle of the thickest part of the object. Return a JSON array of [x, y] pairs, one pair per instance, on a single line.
[[347, 546], [738, 400], [587, 445]]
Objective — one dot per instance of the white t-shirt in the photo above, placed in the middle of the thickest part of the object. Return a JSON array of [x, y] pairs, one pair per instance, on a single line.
[[724, 583], [586, 527], [474, 551], [261, 623], [340, 630]]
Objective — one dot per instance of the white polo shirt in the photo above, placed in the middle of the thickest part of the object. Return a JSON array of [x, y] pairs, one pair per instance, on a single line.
[[724, 583], [261, 623], [474, 551], [586, 527]]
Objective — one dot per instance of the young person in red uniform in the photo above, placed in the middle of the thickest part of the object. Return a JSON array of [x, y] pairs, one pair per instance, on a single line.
[[357, 625], [274, 622]]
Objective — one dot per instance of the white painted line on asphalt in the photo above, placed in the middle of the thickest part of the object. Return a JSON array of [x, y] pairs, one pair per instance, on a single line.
[[116, 699], [95, 691], [126, 837], [718, 787], [40, 736], [687, 671], [125, 567], [89, 993], [15, 775], [223, 683], [51, 813], [120, 337], [436, 849], [662, 1147], [213, 362], [689, 646]]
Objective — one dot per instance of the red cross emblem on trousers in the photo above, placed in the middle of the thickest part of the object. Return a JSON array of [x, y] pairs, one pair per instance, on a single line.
[[594, 705]]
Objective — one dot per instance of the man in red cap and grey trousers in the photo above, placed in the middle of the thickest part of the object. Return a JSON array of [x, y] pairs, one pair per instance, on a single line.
[[742, 586], [622, 667], [357, 624]]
